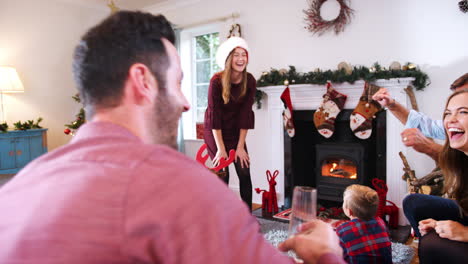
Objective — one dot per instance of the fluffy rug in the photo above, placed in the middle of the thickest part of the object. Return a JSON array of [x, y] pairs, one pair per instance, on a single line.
[[276, 232]]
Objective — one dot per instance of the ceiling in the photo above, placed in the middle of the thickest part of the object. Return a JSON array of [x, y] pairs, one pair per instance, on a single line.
[[127, 4]]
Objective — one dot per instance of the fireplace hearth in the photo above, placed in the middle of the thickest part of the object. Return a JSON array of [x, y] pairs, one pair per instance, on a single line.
[[332, 164]]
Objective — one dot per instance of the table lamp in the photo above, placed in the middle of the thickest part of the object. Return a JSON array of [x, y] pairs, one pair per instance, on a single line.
[[9, 83]]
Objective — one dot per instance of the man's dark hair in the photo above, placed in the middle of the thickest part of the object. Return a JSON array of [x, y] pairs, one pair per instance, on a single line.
[[106, 52], [462, 80]]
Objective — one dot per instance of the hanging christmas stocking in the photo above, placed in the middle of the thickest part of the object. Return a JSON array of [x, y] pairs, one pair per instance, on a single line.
[[287, 113], [324, 117], [364, 113]]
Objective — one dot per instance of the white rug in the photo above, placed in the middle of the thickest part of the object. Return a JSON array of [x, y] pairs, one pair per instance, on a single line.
[[276, 232]]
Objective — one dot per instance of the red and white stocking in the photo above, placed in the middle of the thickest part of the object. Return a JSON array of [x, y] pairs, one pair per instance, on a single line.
[[288, 112], [325, 116], [364, 113]]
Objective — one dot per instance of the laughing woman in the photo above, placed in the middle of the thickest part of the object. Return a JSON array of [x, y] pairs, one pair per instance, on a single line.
[[229, 113], [445, 231]]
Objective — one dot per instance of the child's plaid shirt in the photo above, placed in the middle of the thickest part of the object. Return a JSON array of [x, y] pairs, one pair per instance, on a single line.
[[365, 241]]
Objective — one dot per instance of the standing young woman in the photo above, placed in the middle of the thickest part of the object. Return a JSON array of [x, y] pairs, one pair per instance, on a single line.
[[229, 113]]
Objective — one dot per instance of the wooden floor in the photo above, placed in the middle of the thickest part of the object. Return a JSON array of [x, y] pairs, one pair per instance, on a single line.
[[414, 245], [4, 178], [256, 206]]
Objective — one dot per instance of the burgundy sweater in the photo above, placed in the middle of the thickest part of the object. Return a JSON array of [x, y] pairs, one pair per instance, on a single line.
[[231, 117]]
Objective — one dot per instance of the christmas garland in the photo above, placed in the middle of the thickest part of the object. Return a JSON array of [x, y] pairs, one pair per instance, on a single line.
[[3, 127], [315, 22], [30, 124], [278, 77]]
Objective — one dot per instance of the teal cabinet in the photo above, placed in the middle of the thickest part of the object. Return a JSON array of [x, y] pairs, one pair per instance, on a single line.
[[17, 148]]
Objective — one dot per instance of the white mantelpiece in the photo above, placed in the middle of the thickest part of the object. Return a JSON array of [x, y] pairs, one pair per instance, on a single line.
[[309, 97]]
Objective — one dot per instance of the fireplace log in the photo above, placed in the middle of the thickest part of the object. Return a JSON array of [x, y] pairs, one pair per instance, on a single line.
[[407, 169], [409, 175], [433, 183], [410, 92]]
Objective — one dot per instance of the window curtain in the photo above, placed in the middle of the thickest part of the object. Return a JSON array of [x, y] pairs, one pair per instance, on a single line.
[[180, 132]]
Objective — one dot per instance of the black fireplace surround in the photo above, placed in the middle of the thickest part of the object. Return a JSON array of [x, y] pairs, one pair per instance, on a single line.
[[307, 150]]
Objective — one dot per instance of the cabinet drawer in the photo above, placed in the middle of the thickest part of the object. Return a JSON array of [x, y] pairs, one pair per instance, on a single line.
[[18, 148], [7, 153], [22, 151]]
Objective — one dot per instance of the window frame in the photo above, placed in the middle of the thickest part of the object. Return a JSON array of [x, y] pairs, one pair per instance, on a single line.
[[188, 63]]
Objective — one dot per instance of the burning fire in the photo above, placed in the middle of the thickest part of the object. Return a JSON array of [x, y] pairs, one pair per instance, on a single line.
[[339, 170]]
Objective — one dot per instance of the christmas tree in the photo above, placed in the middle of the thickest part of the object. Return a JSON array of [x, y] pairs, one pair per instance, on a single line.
[[80, 119]]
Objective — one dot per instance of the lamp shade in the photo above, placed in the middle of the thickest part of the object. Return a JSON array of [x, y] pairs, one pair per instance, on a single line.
[[10, 81]]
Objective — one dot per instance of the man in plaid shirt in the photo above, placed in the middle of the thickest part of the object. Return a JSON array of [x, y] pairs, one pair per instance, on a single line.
[[365, 238]]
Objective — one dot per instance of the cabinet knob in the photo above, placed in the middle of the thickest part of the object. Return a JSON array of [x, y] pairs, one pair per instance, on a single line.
[[18, 152], [11, 153]]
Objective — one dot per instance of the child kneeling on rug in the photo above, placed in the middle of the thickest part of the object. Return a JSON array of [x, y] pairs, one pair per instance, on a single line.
[[365, 238]]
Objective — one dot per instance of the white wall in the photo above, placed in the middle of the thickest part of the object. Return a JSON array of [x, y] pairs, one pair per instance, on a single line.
[[38, 38], [430, 33]]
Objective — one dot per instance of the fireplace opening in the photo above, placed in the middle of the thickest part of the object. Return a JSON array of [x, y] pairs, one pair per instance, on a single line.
[[338, 165], [332, 164], [339, 168]]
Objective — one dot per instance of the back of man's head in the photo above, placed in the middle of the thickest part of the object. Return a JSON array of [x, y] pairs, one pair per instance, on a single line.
[[106, 52], [461, 81]]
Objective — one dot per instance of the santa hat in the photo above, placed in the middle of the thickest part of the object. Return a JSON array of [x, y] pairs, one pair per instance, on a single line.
[[227, 47]]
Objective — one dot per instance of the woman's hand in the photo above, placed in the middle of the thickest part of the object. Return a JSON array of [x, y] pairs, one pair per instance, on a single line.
[[243, 157], [221, 153], [452, 230], [426, 225]]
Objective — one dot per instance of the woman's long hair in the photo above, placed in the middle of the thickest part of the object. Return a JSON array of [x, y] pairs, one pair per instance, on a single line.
[[454, 166], [226, 80]]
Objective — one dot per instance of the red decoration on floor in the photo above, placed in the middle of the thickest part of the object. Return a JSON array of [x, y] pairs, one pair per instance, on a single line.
[[269, 199], [392, 211], [384, 210]]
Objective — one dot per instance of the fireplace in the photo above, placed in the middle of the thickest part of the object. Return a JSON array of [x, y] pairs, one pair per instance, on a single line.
[[332, 164], [305, 99], [338, 166]]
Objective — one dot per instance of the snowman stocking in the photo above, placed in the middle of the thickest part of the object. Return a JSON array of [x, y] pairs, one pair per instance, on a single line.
[[324, 117], [364, 113], [287, 113]]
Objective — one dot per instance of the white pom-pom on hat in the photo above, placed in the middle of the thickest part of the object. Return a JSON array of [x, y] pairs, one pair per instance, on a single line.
[[227, 46]]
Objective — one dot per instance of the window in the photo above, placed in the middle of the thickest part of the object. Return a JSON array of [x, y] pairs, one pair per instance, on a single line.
[[198, 48], [204, 66]]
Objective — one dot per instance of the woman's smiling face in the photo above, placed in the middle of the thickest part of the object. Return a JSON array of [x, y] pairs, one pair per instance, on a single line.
[[456, 122], [239, 59]]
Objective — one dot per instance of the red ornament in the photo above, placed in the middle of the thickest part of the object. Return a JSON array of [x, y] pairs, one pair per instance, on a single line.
[[269, 199], [383, 209], [67, 131]]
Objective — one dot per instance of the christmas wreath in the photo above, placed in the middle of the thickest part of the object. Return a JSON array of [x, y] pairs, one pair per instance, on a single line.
[[463, 6], [315, 22]]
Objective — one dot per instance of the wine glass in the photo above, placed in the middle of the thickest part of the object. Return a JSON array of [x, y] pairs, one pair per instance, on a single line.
[[304, 207]]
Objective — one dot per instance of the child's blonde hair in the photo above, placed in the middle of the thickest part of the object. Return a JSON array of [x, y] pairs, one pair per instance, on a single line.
[[363, 201]]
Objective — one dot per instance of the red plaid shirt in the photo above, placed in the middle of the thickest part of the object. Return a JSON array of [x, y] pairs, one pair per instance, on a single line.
[[365, 241]]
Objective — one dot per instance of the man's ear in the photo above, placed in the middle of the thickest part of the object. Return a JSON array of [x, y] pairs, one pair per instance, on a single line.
[[143, 84]]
